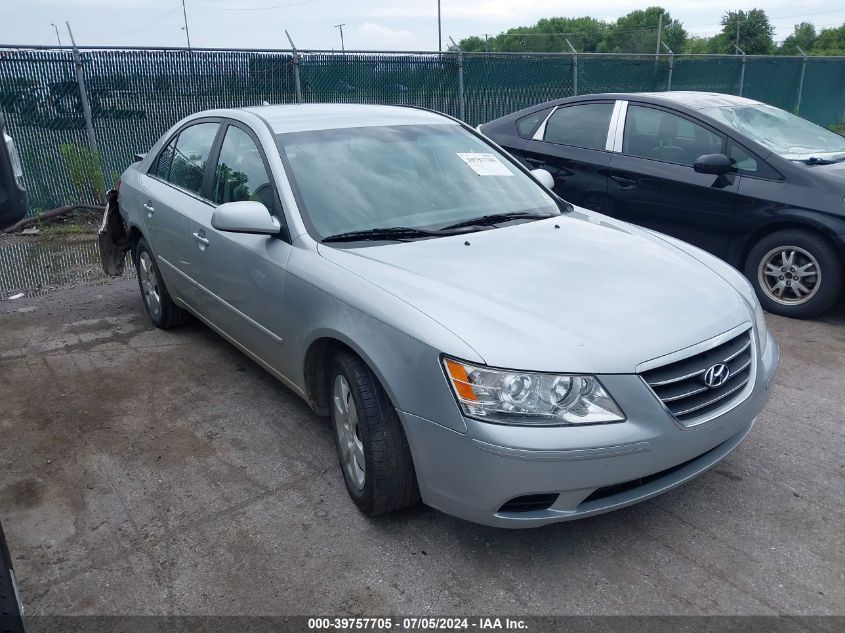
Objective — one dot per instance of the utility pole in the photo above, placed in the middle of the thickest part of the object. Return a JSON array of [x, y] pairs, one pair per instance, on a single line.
[[56, 29], [342, 47], [486, 47], [439, 30], [185, 17], [659, 33]]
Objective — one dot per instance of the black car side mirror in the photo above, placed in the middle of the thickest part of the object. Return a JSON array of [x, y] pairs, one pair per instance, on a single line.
[[716, 164]]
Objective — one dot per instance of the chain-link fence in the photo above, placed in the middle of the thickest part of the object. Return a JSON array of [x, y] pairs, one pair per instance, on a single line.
[[78, 116]]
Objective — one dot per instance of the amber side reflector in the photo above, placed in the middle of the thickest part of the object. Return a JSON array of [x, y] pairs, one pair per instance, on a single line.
[[460, 380]]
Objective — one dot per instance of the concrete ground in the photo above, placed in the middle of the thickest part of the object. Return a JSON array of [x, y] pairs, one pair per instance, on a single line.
[[152, 472]]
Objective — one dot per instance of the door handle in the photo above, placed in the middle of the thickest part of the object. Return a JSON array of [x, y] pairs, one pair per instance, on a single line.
[[150, 209], [203, 241], [535, 162], [624, 183]]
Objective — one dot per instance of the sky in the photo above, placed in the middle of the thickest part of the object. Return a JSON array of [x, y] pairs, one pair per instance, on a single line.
[[369, 24]]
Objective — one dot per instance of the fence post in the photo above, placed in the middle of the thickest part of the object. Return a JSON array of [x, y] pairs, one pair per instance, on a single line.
[[801, 81], [742, 72], [461, 96], [574, 68], [83, 95], [295, 60], [671, 65]]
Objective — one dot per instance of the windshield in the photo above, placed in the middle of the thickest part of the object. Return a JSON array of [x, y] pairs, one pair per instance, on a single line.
[[414, 176], [783, 133]]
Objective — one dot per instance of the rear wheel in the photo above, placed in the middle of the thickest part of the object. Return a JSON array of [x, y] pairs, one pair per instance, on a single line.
[[374, 455], [796, 273], [161, 309]]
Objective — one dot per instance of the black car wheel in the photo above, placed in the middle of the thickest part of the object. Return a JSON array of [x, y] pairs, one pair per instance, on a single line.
[[796, 273], [371, 445]]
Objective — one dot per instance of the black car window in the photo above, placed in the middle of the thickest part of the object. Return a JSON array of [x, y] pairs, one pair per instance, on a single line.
[[191, 154], [745, 162], [661, 135], [164, 161], [241, 174], [583, 125], [526, 126]]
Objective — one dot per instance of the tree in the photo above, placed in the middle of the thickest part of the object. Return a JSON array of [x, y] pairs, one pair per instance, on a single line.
[[803, 36], [472, 43], [696, 45], [548, 34], [636, 32], [830, 42], [752, 29]]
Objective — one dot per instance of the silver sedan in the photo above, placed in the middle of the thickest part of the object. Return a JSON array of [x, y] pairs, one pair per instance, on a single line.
[[478, 342]]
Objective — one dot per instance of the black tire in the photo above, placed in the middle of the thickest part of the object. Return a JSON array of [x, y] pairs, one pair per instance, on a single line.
[[390, 482], [826, 287], [168, 315]]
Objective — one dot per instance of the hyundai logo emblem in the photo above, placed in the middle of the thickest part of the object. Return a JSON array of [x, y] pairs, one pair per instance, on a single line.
[[717, 375]]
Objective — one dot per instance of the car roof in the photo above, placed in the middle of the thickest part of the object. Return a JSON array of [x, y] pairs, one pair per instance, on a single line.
[[324, 116], [697, 100]]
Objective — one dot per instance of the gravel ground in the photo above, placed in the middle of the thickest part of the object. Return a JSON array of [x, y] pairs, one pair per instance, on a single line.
[[152, 472]]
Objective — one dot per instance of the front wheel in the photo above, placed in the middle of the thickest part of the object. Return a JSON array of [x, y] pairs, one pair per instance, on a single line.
[[795, 273], [371, 446]]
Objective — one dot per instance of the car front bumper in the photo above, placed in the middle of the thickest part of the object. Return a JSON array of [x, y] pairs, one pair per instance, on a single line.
[[592, 469]]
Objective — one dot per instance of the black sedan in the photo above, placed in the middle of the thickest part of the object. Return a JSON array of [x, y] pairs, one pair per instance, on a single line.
[[757, 186]]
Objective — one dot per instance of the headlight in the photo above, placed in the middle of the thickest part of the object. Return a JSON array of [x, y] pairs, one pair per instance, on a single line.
[[760, 321], [519, 397]]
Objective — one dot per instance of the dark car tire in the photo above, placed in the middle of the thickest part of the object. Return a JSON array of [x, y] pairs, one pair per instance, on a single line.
[[812, 252], [387, 482], [161, 309]]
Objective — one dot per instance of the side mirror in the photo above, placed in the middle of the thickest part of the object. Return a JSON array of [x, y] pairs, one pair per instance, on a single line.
[[544, 178], [248, 216], [716, 164]]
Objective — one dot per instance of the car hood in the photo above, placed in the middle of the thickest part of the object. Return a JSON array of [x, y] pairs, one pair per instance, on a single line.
[[834, 173], [593, 295]]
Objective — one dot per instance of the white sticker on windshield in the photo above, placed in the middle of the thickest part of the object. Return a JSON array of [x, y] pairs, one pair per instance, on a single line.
[[485, 164]]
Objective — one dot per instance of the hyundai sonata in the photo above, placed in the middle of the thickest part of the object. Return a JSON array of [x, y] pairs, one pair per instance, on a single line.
[[477, 341]]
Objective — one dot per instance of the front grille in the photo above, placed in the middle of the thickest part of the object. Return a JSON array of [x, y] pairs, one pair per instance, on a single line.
[[681, 387]]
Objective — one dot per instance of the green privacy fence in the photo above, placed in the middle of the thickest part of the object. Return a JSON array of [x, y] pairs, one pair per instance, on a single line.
[[131, 96]]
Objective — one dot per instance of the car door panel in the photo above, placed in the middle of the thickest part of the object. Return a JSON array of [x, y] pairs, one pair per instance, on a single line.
[[653, 183], [241, 276], [698, 208], [571, 144], [169, 197]]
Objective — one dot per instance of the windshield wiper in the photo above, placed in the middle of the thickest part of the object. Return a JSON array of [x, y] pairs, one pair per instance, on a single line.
[[815, 160], [386, 233], [488, 220]]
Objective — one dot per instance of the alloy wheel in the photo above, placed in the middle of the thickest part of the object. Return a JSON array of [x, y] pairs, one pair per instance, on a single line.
[[149, 283], [789, 275], [345, 415]]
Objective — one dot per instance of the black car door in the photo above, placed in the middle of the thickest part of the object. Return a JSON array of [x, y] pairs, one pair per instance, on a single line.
[[652, 181], [572, 144]]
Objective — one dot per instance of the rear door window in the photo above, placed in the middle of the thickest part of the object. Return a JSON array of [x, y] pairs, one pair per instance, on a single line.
[[527, 125], [190, 155], [584, 125]]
